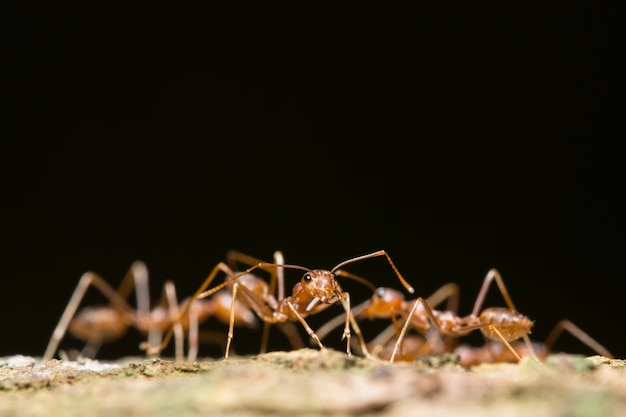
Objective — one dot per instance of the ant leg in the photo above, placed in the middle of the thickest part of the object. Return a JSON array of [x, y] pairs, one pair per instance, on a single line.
[[344, 297], [86, 280], [231, 323], [306, 326], [579, 334], [199, 294], [170, 295], [90, 350], [495, 330], [347, 334], [193, 334], [137, 278], [359, 335], [233, 257], [232, 277], [260, 307], [407, 322], [333, 323], [384, 337], [491, 275], [449, 292], [429, 312], [350, 313], [288, 328], [277, 279]]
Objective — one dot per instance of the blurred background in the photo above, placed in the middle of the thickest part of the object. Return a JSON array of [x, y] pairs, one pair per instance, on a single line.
[[456, 138]]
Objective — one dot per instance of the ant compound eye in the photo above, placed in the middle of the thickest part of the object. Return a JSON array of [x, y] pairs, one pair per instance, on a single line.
[[381, 292], [307, 277]]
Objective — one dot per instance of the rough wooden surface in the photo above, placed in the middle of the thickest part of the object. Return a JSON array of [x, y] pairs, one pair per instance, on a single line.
[[309, 382]]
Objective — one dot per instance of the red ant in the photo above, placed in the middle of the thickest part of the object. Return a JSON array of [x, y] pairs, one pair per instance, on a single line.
[[501, 324], [495, 323], [316, 291]]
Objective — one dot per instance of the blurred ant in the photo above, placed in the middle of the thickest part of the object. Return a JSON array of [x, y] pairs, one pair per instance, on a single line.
[[106, 323], [316, 291]]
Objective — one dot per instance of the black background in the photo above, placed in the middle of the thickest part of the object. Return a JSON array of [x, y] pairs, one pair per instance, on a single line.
[[457, 138]]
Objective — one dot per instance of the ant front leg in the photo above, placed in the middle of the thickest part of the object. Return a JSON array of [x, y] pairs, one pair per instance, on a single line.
[[344, 297], [306, 326]]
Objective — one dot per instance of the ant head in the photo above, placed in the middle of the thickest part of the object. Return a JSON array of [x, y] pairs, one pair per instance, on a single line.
[[320, 283]]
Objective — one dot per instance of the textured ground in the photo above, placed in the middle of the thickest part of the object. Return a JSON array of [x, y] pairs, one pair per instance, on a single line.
[[308, 382]]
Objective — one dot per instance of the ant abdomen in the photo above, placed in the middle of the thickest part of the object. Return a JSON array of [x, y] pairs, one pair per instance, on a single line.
[[511, 324], [99, 324]]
